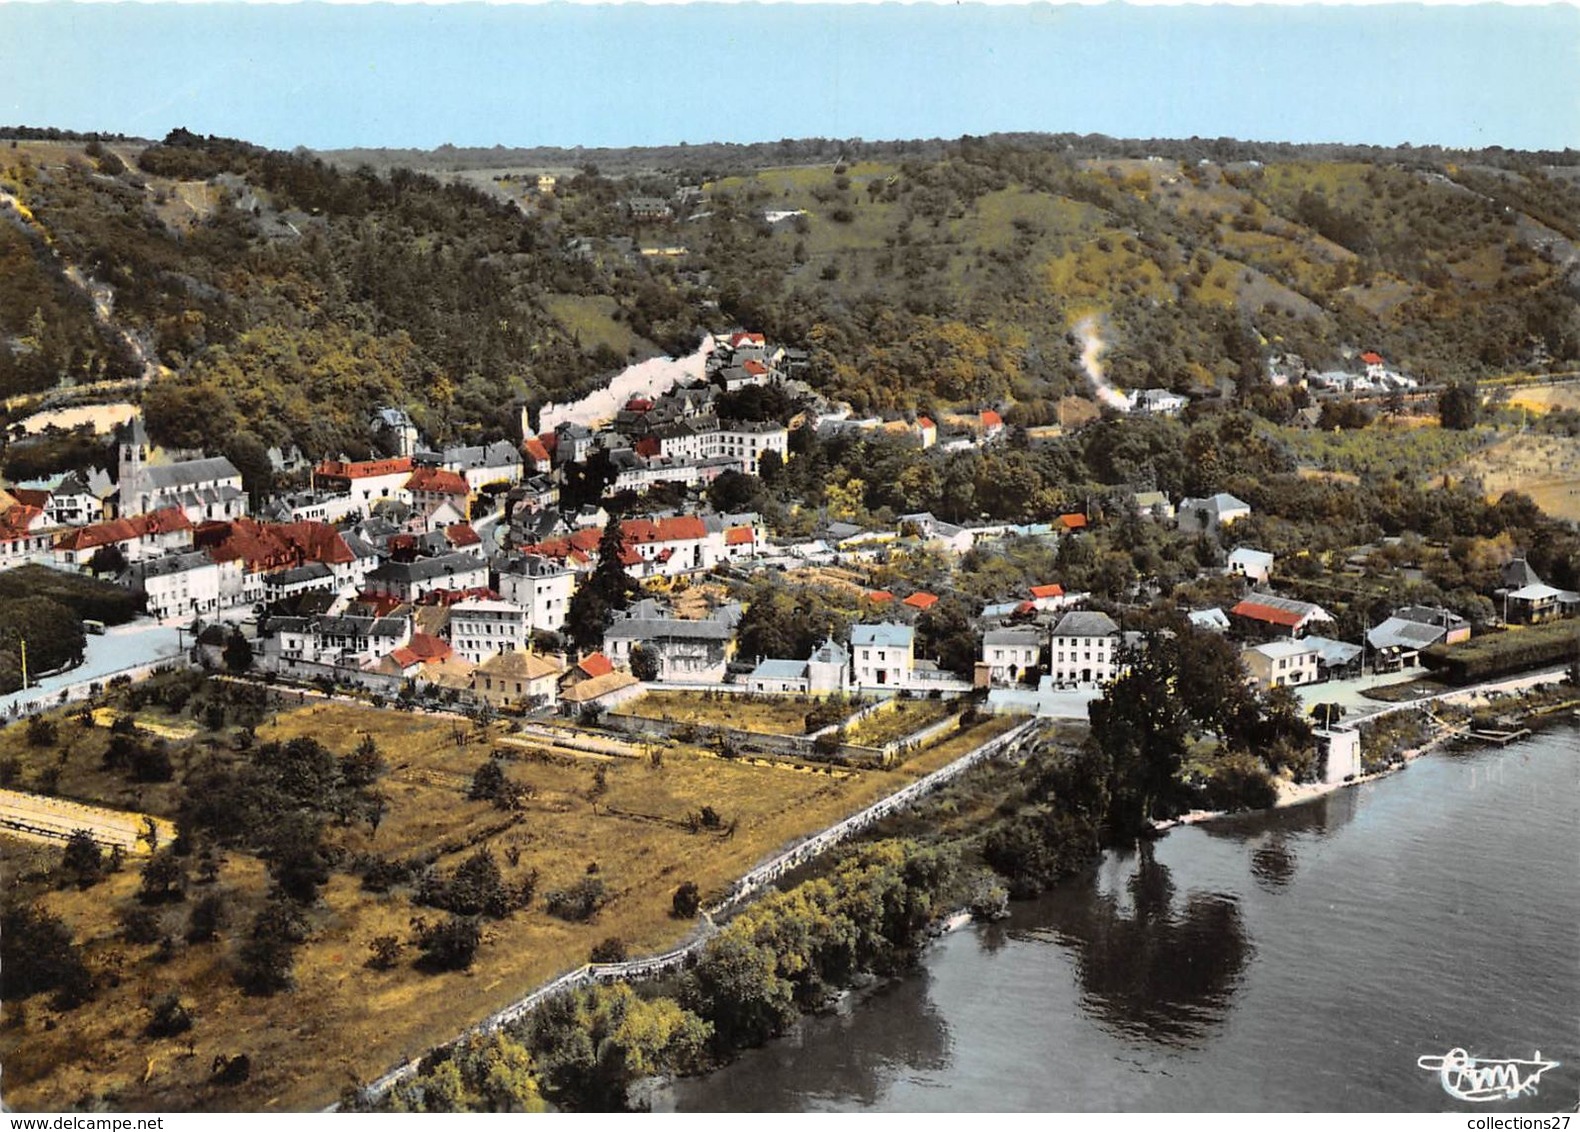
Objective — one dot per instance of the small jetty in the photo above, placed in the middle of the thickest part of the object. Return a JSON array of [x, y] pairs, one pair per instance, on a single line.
[[1501, 738]]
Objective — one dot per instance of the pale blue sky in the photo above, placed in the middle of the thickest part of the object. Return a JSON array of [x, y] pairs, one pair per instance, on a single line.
[[552, 74]]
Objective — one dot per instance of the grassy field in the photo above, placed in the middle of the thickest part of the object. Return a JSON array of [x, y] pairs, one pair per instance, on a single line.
[[904, 717], [589, 318], [345, 1023], [767, 715], [1547, 468], [1545, 398]]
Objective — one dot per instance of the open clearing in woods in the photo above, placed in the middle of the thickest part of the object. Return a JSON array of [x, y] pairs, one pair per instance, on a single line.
[[345, 1023], [1547, 468]]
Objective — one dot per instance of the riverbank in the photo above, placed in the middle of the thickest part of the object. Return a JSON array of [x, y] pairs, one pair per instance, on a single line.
[[1529, 703]]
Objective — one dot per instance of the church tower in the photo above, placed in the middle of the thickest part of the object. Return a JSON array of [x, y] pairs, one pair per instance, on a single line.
[[134, 456]]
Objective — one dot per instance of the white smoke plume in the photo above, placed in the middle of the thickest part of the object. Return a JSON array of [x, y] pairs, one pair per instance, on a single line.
[[1092, 347]]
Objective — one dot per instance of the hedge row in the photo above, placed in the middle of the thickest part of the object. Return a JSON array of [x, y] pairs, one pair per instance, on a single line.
[[1504, 654]]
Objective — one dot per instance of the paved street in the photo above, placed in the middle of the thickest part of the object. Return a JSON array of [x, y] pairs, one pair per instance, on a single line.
[[1348, 693], [124, 646]]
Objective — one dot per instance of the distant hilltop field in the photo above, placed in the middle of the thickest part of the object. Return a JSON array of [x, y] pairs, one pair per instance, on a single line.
[[267, 299]]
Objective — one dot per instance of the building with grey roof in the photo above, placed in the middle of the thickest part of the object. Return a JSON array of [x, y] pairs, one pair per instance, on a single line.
[[1083, 649], [687, 652]]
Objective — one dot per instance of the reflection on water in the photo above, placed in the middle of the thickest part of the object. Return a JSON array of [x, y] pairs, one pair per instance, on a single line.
[[1273, 865], [1273, 838], [1159, 972], [1401, 918], [827, 1066]]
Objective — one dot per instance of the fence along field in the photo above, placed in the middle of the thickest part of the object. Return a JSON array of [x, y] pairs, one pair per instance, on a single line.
[[634, 828]]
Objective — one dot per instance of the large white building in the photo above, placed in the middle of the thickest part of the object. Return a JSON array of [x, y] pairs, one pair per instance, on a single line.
[[1084, 649], [183, 585], [480, 629], [1279, 664], [542, 587]]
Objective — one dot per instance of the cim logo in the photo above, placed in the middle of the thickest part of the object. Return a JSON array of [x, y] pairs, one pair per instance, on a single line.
[[1480, 1080]]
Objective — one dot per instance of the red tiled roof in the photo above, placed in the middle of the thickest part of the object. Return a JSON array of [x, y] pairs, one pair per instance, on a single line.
[[438, 481], [1053, 590], [363, 469], [880, 596], [1073, 522], [596, 665], [273, 546], [31, 496], [1372, 358], [649, 446], [1256, 611], [16, 521], [991, 419], [1025, 607], [680, 527], [737, 536], [748, 338], [921, 600], [160, 522], [638, 405], [535, 450], [925, 423], [424, 646], [462, 534], [754, 367]]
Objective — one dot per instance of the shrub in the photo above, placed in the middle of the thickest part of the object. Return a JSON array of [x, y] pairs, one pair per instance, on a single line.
[[207, 917], [83, 860], [37, 954], [41, 731], [611, 950], [577, 903], [170, 1016], [385, 951], [450, 945], [686, 901]]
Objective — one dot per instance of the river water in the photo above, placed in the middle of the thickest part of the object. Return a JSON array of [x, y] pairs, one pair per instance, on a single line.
[[1294, 960]]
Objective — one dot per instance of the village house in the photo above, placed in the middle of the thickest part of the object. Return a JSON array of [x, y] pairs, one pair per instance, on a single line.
[[263, 550], [1154, 505], [1084, 649], [1011, 654], [687, 652], [541, 587], [1195, 516], [365, 481], [148, 535], [480, 465], [1157, 403], [71, 503], [183, 585], [825, 672], [408, 581], [882, 655], [1278, 664], [25, 535], [1253, 565], [522, 680], [339, 641], [438, 495], [394, 432]]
